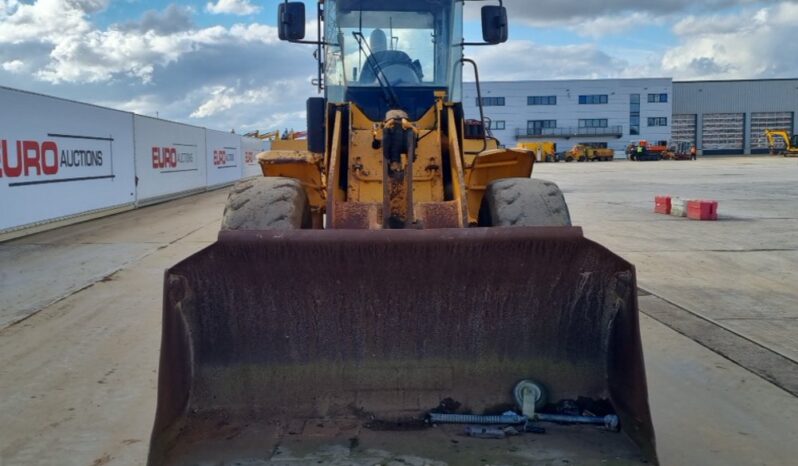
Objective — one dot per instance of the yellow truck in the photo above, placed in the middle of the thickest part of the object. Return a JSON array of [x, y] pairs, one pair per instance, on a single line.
[[545, 151], [584, 153]]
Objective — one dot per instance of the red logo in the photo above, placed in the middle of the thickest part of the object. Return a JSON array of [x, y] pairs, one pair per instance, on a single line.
[[164, 157], [30, 158], [220, 157], [249, 157]]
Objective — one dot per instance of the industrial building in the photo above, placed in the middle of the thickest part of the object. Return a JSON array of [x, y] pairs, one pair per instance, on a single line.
[[719, 117], [730, 117]]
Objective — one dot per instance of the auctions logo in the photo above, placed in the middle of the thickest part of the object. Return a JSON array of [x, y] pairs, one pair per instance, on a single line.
[[31, 158], [224, 158], [166, 158]]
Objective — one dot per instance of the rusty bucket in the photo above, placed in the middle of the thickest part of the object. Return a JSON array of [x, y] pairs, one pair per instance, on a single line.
[[265, 330]]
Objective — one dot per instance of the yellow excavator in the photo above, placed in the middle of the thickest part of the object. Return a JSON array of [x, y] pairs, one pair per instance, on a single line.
[[384, 297], [788, 146], [270, 136]]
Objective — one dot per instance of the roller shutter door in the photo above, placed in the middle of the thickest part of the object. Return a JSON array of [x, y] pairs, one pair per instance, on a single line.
[[768, 120], [723, 133], [684, 129]]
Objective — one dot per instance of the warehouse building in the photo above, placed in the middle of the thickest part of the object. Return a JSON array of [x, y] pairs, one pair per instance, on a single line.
[[719, 117], [603, 113], [730, 117]]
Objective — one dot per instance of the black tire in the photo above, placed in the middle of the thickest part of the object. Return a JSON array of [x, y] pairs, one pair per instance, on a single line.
[[523, 202], [269, 203]]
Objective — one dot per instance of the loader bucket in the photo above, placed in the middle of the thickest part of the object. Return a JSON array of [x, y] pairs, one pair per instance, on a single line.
[[269, 336]]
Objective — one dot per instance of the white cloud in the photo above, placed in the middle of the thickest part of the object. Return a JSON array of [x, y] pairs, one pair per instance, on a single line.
[[752, 43], [615, 24], [14, 66], [173, 19], [41, 21], [238, 101], [232, 7], [573, 12], [160, 63], [535, 61], [83, 54]]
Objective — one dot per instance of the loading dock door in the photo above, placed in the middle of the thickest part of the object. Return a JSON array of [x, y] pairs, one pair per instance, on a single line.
[[768, 120], [684, 128], [723, 133]]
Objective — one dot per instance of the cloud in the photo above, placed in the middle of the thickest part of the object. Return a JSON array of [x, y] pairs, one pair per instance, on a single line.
[[159, 63], [232, 7], [571, 12], [81, 53], [14, 66], [535, 61], [750, 43], [173, 19], [243, 105], [615, 24]]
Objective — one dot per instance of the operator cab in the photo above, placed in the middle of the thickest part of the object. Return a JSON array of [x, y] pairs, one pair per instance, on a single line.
[[386, 54]]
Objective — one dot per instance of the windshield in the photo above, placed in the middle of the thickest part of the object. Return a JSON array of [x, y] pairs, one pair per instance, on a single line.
[[401, 43]]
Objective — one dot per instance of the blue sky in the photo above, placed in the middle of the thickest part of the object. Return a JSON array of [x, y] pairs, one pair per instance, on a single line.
[[217, 63]]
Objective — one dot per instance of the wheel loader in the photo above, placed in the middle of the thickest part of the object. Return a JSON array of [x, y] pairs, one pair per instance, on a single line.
[[378, 296]]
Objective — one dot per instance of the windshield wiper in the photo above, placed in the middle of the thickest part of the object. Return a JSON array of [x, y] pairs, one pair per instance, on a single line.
[[385, 85]]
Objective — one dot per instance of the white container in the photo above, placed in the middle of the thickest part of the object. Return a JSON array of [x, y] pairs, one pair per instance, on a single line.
[[678, 207]]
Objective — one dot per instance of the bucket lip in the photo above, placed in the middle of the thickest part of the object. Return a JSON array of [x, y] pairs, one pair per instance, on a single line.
[[439, 236], [402, 236], [443, 236]]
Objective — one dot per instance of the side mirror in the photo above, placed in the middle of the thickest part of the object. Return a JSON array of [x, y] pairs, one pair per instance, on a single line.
[[494, 24], [291, 21]]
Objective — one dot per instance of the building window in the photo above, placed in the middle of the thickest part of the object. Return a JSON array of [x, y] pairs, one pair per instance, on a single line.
[[658, 98], [593, 123], [658, 121], [498, 125], [536, 127], [593, 99], [634, 114], [492, 102], [542, 100]]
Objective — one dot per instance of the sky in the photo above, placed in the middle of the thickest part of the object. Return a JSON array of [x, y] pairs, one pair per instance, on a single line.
[[219, 63]]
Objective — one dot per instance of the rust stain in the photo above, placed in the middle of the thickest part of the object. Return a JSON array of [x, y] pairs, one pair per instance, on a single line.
[[105, 459]]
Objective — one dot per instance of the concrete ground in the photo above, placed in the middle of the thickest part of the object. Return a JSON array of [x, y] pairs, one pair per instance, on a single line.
[[80, 313]]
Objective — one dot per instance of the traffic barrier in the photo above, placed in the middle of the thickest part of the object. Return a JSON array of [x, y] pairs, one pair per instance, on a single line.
[[662, 205], [702, 210], [678, 207]]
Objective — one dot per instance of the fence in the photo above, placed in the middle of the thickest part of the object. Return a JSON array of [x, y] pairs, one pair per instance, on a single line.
[[63, 161]]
